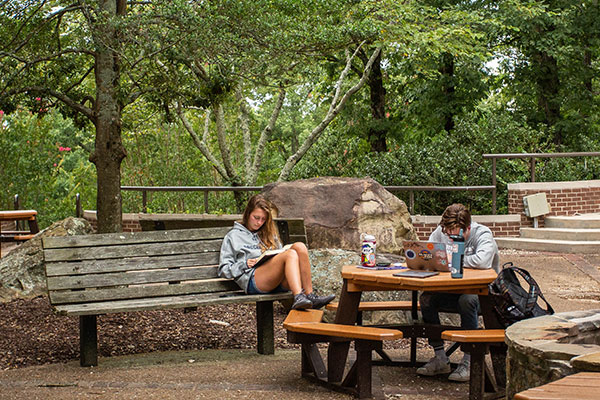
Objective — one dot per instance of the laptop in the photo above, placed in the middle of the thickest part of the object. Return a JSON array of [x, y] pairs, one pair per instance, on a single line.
[[428, 256]]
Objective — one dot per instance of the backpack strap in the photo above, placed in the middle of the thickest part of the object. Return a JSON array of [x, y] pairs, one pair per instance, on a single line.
[[534, 293]]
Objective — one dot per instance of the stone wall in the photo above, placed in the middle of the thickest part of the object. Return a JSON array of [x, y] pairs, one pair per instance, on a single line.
[[500, 225], [564, 198], [544, 349]]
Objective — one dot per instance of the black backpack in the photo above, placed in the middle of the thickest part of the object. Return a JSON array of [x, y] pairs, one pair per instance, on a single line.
[[511, 301]]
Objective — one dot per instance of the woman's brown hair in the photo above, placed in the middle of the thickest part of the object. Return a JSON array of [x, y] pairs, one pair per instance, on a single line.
[[267, 233]]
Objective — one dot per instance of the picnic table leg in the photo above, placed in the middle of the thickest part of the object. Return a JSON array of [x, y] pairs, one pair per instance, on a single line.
[[338, 351], [264, 327], [88, 341], [497, 352]]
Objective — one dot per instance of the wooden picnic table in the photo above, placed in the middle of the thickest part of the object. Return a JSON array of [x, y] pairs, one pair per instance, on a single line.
[[581, 386], [18, 235], [358, 280]]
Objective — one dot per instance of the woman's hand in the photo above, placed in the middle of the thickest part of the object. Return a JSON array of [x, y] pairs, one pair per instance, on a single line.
[[251, 262]]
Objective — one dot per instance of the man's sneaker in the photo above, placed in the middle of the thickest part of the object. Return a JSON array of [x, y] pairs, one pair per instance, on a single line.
[[301, 302], [320, 301], [462, 373], [435, 366]]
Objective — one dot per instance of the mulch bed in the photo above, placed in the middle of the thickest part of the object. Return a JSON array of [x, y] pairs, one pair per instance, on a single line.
[[32, 334]]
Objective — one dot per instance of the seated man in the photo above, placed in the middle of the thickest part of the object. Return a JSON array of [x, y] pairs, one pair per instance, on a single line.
[[481, 252]]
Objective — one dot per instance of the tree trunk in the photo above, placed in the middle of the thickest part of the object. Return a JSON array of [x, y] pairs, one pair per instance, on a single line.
[[109, 151], [377, 133], [548, 84], [448, 88]]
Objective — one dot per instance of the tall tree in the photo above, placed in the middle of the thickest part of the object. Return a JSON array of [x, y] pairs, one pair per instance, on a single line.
[[84, 56]]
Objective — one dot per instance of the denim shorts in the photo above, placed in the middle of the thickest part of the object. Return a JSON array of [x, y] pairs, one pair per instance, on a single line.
[[252, 289]]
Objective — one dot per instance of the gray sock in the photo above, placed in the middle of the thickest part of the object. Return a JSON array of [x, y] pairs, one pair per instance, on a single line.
[[441, 354], [466, 359]]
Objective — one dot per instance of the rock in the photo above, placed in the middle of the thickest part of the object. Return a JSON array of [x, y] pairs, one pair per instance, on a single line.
[[22, 272], [327, 278], [337, 210]]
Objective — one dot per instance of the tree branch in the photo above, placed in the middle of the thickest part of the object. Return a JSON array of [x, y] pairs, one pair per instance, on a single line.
[[222, 141], [264, 137], [201, 144], [334, 109], [88, 112], [245, 131]]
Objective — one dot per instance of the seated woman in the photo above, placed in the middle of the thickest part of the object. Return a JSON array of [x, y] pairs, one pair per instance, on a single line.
[[289, 270]]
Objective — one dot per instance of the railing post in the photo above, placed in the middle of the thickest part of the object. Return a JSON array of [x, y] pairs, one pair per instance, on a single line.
[[206, 201], [17, 202], [494, 183], [19, 225], [78, 209], [532, 166], [411, 201], [144, 201]]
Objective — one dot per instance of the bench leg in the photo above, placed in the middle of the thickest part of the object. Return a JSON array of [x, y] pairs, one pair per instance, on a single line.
[[360, 375], [88, 341], [264, 327]]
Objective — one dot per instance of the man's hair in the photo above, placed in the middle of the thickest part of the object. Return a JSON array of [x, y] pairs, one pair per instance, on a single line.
[[456, 215]]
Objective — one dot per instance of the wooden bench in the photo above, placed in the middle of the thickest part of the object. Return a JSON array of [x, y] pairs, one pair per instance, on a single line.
[[477, 343], [91, 275], [305, 328], [290, 229], [580, 386]]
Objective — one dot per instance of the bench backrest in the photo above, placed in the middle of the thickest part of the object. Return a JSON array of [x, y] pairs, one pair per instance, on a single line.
[[102, 267], [291, 229]]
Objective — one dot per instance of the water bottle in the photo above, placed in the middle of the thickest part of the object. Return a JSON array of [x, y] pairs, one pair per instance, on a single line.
[[458, 255], [367, 254]]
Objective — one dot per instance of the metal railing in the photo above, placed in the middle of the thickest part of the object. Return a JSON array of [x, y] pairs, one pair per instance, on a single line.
[[207, 189], [532, 157]]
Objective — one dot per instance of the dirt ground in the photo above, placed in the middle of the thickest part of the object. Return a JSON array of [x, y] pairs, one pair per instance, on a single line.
[[208, 353]]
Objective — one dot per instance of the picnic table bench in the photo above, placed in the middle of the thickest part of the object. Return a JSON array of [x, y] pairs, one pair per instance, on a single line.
[[305, 327], [16, 235], [91, 275]]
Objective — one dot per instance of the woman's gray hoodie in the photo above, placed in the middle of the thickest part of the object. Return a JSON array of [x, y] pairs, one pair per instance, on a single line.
[[481, 250], [239, 245]]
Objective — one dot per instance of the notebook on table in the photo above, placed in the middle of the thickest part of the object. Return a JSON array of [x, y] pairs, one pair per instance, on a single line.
[[428, 256]]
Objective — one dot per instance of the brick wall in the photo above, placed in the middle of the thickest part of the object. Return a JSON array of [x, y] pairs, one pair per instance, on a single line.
[[131, 222], [564, 198], [500, 225]]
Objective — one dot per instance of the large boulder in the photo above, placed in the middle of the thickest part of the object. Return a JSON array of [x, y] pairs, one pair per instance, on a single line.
[[337, 210], [22, 270]]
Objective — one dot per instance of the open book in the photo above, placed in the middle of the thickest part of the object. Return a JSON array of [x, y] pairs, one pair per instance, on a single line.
[[270, 253]]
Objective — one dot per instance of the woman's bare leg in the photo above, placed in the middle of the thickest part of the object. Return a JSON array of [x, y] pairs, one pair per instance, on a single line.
[[304, 265], [280, 269]]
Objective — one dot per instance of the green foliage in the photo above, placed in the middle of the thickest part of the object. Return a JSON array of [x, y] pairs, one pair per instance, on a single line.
[[44, 161]]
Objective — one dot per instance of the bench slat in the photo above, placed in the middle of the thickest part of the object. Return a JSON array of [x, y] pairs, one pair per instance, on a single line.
[[107, 239], [131, 264], [170, 302], [132, 250], [345, 331], [139, 291], [475, 336], [303, 316], [378, 305], [130, 278]]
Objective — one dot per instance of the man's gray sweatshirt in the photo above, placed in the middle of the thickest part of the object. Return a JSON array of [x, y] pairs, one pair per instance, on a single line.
[[481, 250]]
